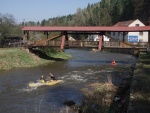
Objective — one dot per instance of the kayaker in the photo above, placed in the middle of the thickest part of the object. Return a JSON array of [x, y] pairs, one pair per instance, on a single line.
[[113, 62], [43, 78], [52, 76]]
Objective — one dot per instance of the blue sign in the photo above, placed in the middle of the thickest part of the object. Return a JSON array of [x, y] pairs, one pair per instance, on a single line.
[[133, 38]]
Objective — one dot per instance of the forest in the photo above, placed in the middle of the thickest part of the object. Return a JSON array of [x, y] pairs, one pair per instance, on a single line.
[[103, 13]]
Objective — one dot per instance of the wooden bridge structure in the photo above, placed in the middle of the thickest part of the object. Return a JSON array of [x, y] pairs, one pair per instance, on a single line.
[[64, 31]]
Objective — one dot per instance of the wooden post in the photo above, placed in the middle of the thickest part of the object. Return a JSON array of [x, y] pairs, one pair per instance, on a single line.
[[149, 38], [62, 42], [66, 40], [123, 39], [100, 42], [47, 35], [27, 35]]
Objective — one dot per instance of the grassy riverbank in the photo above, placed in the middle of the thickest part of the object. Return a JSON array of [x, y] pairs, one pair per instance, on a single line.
[[140, 88], [14, 58]]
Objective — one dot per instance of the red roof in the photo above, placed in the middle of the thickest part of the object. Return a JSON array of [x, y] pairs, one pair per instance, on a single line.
[[124, 23], [86, 28]]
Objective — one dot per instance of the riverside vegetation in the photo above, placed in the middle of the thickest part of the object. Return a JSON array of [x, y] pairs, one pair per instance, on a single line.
[[140, 87], [134, 89], [16, 57]]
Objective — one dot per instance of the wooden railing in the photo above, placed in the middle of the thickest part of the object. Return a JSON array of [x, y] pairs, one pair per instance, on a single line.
[[140, 44], [74, 43], [57, 43]]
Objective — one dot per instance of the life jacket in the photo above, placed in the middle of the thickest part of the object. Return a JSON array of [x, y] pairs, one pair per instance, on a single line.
[[42, 81], [113, 63]]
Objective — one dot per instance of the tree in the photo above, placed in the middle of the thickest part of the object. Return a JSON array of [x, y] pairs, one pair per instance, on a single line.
[[7, 25], [128, 10], [116, 10], [141, 10], [43, 23], [105, 15], [79, 17], [38, 23]]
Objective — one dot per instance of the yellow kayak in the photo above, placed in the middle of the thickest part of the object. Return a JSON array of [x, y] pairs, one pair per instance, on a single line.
[[41, 83]]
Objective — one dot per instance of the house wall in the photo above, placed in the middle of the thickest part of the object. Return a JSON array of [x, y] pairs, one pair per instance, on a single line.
[[93, 38], [105, 38], [118, 35], [96, 38], [140, 36]]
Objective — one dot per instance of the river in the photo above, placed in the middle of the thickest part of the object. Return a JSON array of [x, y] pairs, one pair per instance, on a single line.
[[84, 68]]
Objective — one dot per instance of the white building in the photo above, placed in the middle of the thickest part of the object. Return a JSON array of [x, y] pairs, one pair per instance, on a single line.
[[96, 38], [130, 36], [71, 39]]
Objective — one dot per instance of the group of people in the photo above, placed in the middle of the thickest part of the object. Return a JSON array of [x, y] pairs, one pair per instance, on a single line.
[[52, 77]]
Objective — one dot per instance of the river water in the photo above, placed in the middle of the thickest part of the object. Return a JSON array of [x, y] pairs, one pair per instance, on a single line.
[[83, 69]]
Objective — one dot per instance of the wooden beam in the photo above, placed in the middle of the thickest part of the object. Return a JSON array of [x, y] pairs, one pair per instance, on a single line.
[[62, 42], [100, 42]]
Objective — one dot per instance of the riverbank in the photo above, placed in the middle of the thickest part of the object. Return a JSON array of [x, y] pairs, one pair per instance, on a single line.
[[17, 57], [132, 96], [107, 97], [140, 87]]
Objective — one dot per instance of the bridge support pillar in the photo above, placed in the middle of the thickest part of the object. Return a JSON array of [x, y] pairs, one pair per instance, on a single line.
[[62, 42], [149, 38], [66, 40], [100, 42], [123, 38]]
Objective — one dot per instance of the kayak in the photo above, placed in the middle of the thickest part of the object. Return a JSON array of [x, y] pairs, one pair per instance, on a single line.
[[113, 63], [41, 83]]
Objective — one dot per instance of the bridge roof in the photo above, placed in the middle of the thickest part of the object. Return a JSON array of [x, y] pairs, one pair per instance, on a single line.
[[86, 28]]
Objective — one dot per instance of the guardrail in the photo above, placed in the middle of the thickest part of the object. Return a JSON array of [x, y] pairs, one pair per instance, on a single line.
[[74, 43], [142, 46], [95, 44]]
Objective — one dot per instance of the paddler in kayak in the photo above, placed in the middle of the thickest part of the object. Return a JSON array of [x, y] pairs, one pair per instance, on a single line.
[[43, 80], [52, 76], [113, 62]]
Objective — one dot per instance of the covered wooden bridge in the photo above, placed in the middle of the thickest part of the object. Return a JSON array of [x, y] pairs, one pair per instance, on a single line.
[[65, 30]]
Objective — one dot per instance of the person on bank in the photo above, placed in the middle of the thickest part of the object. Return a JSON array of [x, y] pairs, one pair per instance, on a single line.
[[52, 76], [43, 79]]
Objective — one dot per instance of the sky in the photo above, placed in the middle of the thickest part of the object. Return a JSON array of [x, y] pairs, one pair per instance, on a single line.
[[37, 10]]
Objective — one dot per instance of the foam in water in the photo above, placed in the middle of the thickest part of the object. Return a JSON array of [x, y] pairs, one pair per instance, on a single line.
[[27, 89]]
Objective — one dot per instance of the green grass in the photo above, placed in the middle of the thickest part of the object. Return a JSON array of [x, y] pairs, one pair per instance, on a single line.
[[13, 58], [98, 97], [140, 99], [56, 53]]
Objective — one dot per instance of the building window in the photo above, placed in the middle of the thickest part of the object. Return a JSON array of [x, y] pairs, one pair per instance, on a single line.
[[140, 40], [113, 33], [141, 33], [136, 24]]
